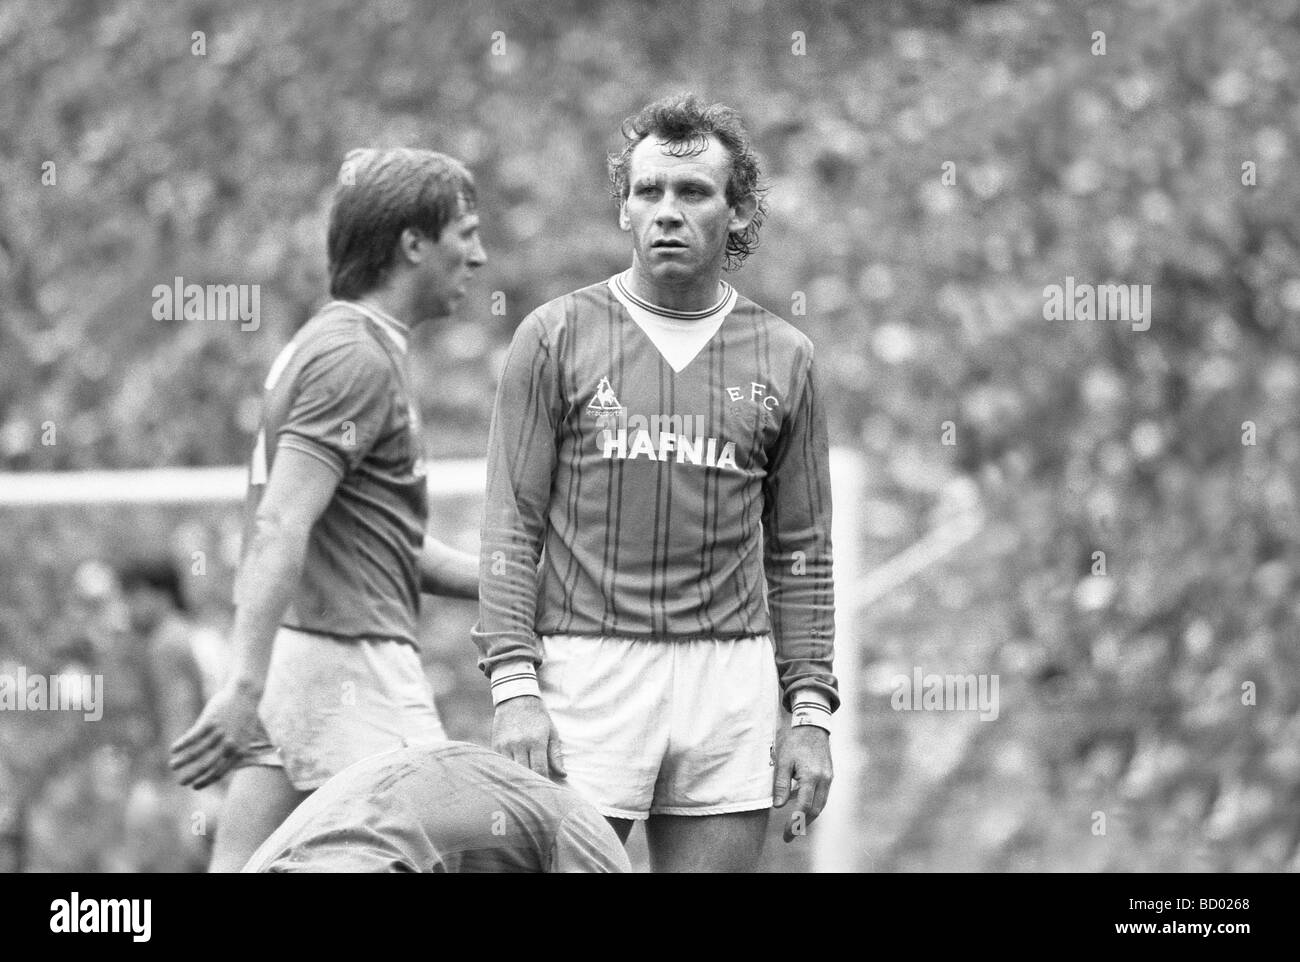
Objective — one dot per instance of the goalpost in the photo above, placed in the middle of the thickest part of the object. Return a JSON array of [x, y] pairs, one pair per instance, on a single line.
[[836, 839], [837, 835]]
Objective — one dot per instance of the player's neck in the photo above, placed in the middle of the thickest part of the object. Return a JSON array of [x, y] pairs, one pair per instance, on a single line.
[[389, 302], [695, 295]]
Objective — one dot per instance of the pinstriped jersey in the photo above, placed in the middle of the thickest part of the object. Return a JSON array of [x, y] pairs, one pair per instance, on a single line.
[[628, 498]]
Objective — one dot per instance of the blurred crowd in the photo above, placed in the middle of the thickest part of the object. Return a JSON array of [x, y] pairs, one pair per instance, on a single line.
[[1164, 157], [96, 795]]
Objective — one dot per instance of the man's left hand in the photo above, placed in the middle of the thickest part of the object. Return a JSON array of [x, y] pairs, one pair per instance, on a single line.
[[803, 767]]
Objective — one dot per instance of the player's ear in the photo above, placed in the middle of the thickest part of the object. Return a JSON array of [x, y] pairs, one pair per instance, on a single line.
[[410, 245], [742, 212], [624, 222]]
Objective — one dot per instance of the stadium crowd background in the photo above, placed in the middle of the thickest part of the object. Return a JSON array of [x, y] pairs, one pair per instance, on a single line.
[[1119, 694]]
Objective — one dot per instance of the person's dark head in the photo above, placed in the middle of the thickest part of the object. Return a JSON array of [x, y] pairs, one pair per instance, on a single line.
[[152, 589], [403, 211], [688, 173]]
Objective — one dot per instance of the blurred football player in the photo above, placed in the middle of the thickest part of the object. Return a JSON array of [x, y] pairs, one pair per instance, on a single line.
[[453, 807], [326, 668]]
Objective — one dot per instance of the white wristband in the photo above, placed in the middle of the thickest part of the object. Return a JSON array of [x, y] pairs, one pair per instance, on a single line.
[[808, 706], [513, 679]]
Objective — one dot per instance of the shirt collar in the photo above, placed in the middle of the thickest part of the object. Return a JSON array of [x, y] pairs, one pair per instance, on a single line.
[[390, 325], [624, 284]]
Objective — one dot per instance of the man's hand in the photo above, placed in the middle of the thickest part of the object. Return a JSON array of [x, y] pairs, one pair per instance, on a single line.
[[803, 765], [219, 738], [522, 730]]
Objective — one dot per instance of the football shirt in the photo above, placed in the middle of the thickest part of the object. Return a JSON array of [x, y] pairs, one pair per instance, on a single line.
[[338, 392], [635, 497]]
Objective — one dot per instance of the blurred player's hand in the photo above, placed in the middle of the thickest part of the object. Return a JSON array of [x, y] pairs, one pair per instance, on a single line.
[[522, 730], [218, 739], [803, 766]]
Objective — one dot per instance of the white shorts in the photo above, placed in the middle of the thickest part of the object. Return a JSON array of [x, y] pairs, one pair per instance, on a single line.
[[664, 727], [329, 702]]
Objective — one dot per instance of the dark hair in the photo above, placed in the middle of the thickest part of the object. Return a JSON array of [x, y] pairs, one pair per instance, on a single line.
[[685, 123], [156, 574], [381, 193]]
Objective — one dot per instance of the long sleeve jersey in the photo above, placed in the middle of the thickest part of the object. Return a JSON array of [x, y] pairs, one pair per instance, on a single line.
[[635, 498]]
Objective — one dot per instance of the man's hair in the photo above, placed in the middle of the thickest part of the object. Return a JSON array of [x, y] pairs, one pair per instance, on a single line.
[[381, 193], [155, 573], [684, 123]]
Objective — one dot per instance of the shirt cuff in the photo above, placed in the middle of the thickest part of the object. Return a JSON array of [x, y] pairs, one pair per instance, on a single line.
[[808, 706], [513, 679]]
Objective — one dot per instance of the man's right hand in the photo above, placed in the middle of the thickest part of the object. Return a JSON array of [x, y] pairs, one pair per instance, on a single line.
[[220, 737], [522, 730]]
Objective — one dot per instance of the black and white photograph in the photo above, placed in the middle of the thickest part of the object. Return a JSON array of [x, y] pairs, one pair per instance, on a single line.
[[615, 436]]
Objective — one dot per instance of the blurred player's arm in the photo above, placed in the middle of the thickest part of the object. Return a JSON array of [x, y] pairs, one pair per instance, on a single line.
[[444, 570], [801, 599], [521, 459], [177, 679], [298, 491]]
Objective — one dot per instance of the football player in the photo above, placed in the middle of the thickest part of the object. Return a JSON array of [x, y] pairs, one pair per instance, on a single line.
[[656, 558], [453, 807], [326, 667]]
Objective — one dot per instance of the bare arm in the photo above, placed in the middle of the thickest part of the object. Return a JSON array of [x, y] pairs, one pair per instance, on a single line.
[[297, 493], [175, 677], [444, 570]]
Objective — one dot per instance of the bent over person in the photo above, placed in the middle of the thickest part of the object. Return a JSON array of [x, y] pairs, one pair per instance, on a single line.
[[655, 568], [453, 807], [326, 666]]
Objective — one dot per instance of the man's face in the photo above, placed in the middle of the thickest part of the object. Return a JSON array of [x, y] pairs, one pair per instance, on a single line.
[[447, 265], [677, 212]]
